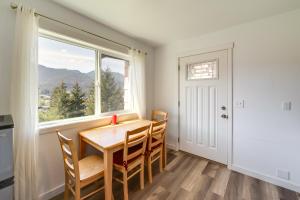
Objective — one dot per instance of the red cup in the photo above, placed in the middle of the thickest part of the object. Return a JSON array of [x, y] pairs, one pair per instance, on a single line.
[[114, 119]]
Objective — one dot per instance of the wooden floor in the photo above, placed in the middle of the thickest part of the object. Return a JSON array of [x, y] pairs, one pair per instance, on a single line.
[[191, 177]]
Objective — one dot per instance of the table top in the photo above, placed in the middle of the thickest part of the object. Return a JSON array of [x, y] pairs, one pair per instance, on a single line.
[[111, 136]]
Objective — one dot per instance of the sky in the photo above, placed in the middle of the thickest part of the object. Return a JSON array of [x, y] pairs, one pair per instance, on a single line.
[[115, 65], [59, 55]]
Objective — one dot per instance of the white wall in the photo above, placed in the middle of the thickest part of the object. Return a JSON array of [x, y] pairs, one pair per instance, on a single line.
[[266, 71], [50, 165]]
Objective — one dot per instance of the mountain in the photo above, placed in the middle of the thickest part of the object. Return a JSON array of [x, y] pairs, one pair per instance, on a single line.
[[49, 78]]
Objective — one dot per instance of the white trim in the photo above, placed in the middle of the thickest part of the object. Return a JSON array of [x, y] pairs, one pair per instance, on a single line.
[[67, 124], [271, 179], [177, 144], [230, 106], [78, 42], [98, 84], [206, 50], [172, 146], [52, 193], [229, 47]]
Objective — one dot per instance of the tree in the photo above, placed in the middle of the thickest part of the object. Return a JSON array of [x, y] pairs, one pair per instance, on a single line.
[[90, 100], [63, 104], [112, 95], [60, 101], [59, 104], [77, 99]]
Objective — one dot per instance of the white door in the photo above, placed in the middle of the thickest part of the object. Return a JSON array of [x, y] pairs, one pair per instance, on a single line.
[[204, 105]]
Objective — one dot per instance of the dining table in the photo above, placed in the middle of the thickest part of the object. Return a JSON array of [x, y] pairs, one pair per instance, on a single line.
[[108, 139]]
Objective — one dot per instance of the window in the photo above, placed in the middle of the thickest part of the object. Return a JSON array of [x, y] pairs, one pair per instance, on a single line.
[[68, 77], [114, 84], [203, 70]]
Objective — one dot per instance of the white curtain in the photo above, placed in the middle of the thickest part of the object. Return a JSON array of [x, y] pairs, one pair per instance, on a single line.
[[24, 100], [138, 82]]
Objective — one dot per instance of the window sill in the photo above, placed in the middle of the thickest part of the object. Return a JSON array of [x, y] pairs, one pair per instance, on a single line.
[[78, 123]]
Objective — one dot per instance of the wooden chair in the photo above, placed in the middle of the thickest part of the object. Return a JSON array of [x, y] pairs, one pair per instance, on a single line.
[[79, 174], [158, 115], [130, 161], [155, 146]]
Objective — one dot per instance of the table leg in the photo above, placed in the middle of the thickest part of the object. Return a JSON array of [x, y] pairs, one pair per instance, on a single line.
[[108, 170], [82, 147]]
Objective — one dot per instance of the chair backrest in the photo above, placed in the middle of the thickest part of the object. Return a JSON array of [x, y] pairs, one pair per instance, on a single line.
[[135, 143], [70, 158], [158, 115], [157, 134]]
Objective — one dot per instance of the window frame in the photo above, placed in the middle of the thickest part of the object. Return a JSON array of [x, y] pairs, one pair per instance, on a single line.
[[99, 51]]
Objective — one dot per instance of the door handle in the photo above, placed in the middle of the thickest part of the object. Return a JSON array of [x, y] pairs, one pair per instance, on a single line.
[[223, 107], [224, 116]]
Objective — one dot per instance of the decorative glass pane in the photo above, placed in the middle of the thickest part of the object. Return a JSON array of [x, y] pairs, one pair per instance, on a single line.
[[203, 70]]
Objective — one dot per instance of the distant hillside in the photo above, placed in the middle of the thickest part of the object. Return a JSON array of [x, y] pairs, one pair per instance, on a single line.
[[49, 78]]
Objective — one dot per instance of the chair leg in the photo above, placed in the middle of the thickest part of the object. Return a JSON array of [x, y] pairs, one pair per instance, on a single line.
[[66, 193], [149, 165], [142, 175], [125, 185], [161, 160], [77, 192]]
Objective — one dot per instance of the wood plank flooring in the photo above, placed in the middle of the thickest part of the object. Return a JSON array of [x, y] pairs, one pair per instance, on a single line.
[[188, 177]]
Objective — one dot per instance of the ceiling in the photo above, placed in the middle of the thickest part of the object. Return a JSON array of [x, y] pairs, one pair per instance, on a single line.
[[159, 22]]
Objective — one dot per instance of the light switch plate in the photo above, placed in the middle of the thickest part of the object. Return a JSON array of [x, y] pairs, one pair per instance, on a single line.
[[287, 106]]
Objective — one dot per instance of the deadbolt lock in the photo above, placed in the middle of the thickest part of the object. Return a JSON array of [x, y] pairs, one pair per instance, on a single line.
[[224, 116]]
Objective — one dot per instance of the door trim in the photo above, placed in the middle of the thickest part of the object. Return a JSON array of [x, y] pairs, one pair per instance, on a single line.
[[229, 47]]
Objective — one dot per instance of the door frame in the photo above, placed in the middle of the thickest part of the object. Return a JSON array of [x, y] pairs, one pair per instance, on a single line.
[[229, 47]]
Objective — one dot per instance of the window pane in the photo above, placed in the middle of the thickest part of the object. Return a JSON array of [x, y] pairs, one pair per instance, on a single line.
[[114, 84], [66, 80], [203, 70]]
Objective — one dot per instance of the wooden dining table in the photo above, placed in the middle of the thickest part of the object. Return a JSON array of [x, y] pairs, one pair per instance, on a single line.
[[108, 139]]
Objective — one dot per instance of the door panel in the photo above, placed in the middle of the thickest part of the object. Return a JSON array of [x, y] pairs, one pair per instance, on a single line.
[[202, 129]]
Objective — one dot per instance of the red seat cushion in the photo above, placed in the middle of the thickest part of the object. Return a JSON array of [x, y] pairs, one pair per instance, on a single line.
[[118, 156]]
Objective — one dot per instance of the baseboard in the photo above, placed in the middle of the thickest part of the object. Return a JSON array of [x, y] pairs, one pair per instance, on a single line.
[[271, 179], [172, 146], [52, 193]]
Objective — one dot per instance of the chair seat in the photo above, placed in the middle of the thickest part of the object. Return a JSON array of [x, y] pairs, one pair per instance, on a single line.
[[90, 166], [118, 156]]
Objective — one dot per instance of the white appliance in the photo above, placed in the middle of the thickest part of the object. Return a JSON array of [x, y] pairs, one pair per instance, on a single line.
[[6, 157]]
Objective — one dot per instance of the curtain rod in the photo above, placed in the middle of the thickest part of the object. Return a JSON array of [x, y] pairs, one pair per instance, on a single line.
[[15, 6]]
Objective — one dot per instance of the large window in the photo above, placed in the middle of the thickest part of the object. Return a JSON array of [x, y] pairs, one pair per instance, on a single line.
[[68, 77]]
